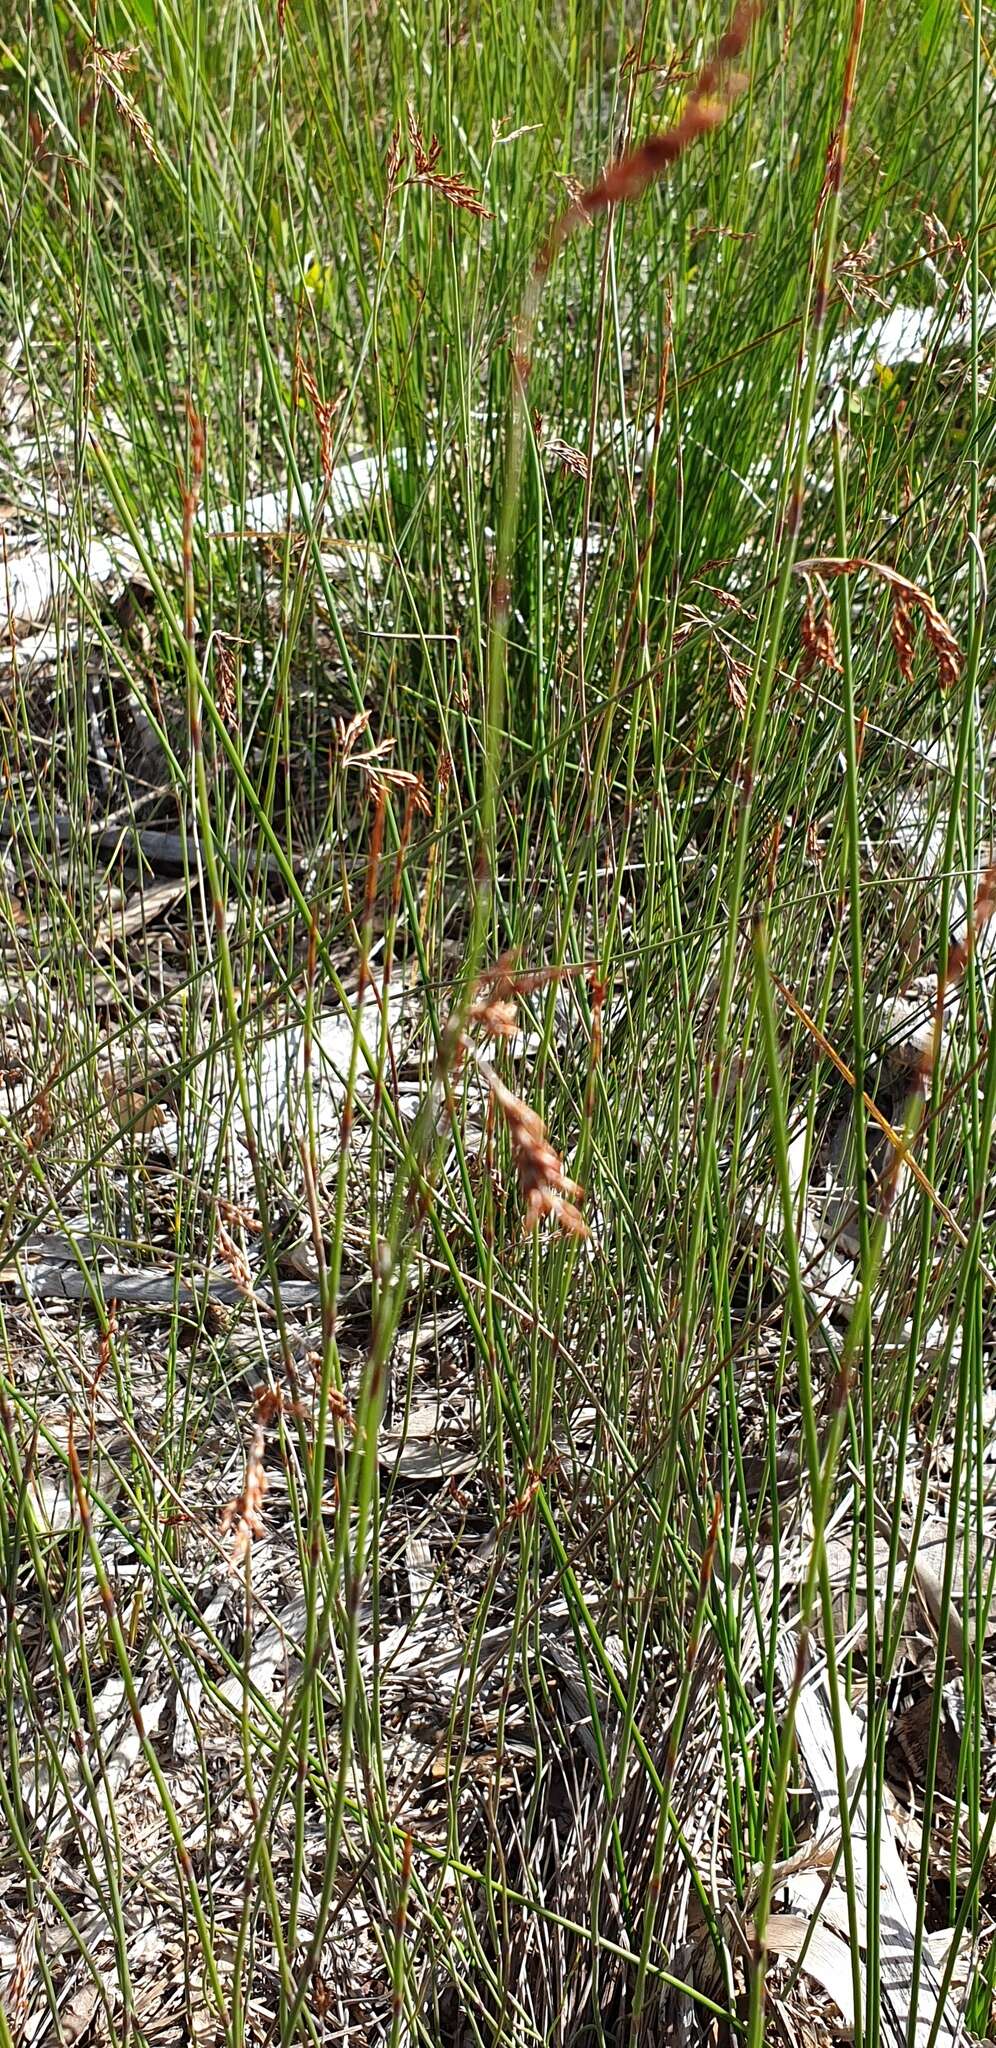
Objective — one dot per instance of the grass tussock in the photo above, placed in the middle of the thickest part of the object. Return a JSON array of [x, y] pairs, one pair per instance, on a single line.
[[497, 1087]]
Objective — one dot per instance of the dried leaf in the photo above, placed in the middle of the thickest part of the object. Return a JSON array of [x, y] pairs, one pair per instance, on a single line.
[[827, 1958]]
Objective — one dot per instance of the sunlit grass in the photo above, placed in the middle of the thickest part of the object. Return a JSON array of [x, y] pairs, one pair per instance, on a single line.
[[453, 620]]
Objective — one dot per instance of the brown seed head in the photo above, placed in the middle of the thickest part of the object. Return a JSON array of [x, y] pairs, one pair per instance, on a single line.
[[902, 634], [819, 643], [499, 1019], [943, 642], [545, 1187], [243, 1517]]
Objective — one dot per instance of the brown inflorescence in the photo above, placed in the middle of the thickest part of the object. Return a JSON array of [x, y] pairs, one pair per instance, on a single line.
[[902, 634], [493, 1008], [708, 103], [495, 1016], [426, 171], [374, 762], [242, 1518], [907, 598], [325, 412], [819, 643], [943, 642], [546, 1188]]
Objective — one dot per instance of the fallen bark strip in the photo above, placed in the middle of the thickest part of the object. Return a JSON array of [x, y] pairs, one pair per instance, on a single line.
[[175, 851], [149, 1286]]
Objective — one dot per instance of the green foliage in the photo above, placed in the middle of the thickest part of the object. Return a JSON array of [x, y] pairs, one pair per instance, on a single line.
[[201, 201]]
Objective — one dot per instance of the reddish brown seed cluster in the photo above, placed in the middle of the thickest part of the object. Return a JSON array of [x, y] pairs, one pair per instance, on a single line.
[[508, 981], [238, 1216], [943, 642], [108, 69], [533, 1479], [902, 635], [708, 103], [546, 1189], [325, 412], [819, 642], [242, 1519], [234, 1258], [225, 691], [938, 633], [106, 1351], [496, 1017], [375, 764], [572, 460], [907, 599], [425, 169]]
